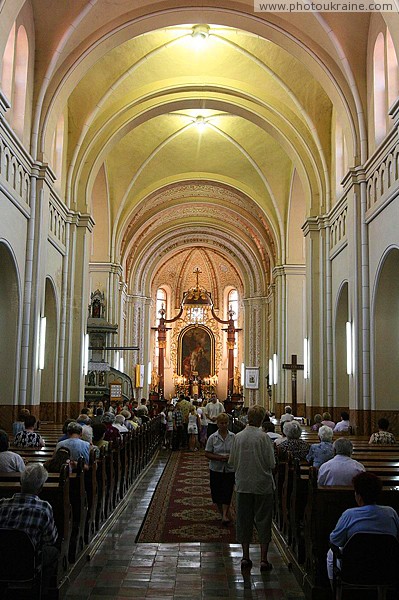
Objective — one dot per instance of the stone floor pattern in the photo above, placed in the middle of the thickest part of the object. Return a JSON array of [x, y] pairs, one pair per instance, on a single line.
[[197, 571]]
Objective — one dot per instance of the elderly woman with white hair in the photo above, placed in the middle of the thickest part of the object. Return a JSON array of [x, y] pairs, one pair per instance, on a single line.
[[322, 452], [119, 423], [298, 448], [341, 469]]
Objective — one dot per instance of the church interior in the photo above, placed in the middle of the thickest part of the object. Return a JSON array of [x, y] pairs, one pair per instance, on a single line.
[[198, 198]]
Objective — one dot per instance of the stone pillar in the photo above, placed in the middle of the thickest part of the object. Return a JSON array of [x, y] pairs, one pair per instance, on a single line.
[[315, 231]]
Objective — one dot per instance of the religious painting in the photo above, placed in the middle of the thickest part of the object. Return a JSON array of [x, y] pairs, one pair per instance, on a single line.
[[196, 352], [252, 378]]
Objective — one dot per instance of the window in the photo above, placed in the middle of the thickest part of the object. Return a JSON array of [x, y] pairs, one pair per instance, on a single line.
[[58, 147], [379, 90], [392, 71], [8, 65], [15, 76]]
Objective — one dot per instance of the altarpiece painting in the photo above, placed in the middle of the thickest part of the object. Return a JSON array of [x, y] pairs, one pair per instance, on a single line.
[[196, 352]]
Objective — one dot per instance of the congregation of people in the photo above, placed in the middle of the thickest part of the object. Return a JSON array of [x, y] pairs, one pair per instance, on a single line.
[[241, 465]]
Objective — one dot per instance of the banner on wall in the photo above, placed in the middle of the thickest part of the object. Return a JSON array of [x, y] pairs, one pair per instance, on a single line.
[[139, 376]]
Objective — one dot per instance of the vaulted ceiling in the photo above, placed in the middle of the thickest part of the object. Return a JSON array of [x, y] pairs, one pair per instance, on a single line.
[[194, 126]]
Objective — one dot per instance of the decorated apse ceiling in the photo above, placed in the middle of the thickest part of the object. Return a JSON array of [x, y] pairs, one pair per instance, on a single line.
[[197, 127]]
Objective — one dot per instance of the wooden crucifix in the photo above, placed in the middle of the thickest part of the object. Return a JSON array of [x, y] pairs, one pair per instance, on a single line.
[[293, 366]]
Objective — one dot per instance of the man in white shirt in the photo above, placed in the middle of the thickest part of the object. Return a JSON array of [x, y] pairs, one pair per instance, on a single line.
[[341, 469], [343, 424], [212, 410], [287, 416]]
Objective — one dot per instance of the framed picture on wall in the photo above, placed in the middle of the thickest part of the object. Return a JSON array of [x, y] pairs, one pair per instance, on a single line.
[[252, 378]]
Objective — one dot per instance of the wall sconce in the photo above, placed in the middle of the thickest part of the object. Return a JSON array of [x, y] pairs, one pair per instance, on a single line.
[[349, 348], [306, 358], [85, 353], [275, 369], [42, 342]]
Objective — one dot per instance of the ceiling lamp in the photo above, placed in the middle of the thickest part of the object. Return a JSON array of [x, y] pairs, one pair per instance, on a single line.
[[200, 122], [200, 33]]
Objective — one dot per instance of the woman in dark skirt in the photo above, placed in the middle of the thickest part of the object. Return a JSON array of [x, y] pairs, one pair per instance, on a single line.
[[217, 449]]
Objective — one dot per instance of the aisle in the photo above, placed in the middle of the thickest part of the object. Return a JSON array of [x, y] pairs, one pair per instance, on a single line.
[[164, 571]]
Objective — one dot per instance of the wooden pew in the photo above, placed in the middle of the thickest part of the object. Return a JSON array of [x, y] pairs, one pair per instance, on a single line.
[[56, 492], [323, 509]]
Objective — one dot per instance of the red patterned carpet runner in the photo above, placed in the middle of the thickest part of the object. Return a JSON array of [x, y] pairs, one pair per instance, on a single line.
[[181, 509]]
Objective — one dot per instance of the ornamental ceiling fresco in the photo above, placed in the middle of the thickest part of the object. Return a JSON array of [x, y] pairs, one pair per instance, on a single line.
[[177, 141]]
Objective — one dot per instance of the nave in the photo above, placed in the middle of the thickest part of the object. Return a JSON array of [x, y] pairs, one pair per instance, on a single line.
[[120, 568]]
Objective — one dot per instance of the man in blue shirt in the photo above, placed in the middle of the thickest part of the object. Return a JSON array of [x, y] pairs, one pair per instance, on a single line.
[[76, 445], [367, 517]]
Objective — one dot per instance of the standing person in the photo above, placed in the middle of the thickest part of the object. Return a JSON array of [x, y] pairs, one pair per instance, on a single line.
[[192, 429], [169, 425], [212, 410], [252, 457], [203, 426], [177, 428], [222, 478]]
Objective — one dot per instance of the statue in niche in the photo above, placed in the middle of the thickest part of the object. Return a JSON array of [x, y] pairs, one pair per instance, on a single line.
[[92, 378], [101, 379], [97, 305]]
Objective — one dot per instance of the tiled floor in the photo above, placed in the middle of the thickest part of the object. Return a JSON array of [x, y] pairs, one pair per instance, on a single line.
[[123, 569]]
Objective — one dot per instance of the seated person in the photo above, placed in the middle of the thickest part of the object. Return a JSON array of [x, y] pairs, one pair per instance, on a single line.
[[99, 430], [98, 416], [112, 434], [287, 416], [322, 452], [131, 425], [87, 431], [383, 436], [120, 423], [317, 423], [341, 469], [29, 438], [269, 428], [327, 420], [27, 512], [19, 425], [367, 517], [10, 462], [76, 445], [61, 457], [343, 424], [299, 448]]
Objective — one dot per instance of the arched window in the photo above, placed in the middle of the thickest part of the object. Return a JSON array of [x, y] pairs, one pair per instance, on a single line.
[[20, 81], [58, 147], [160, 303], [7, 67], [379, 89], [341, 156], [392, 71]]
